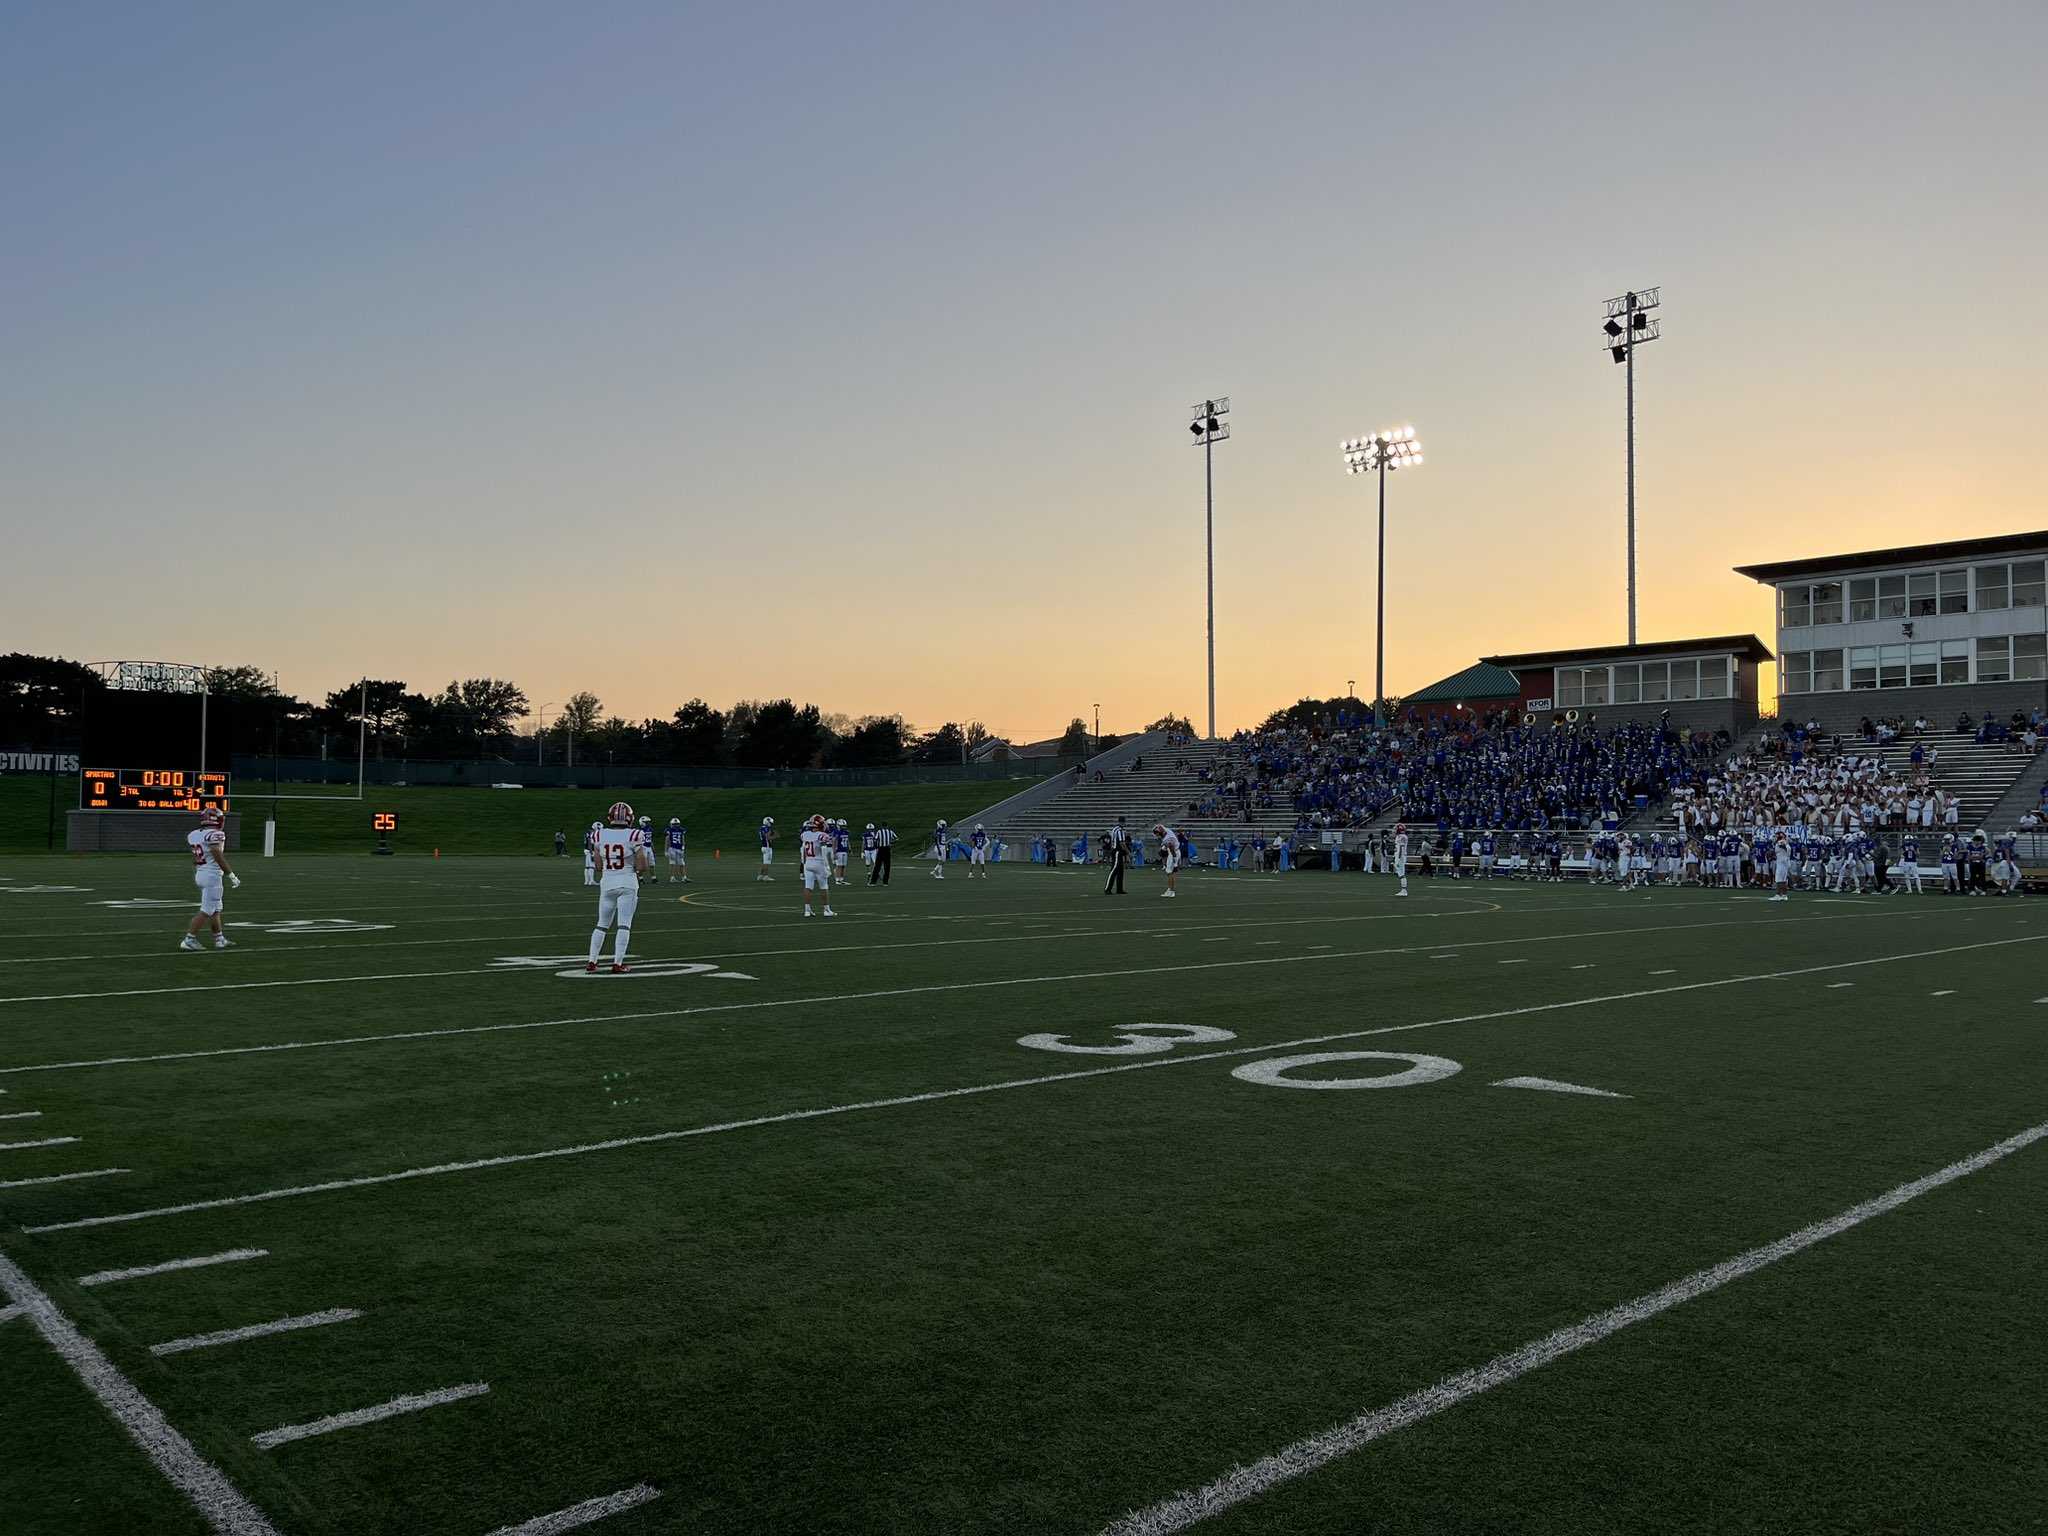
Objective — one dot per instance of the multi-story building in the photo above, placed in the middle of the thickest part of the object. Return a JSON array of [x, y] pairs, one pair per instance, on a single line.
[[1932, 629]]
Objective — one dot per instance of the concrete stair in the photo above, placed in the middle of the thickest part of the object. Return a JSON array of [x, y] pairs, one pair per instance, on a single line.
[[1160, 791]]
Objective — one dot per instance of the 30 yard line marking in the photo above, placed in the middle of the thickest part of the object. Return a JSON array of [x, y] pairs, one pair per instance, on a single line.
[[1182, 1510], [255, 1331], [642, 1015], [586, 1513], [656, 1138], [142, 1271], [223, 1506], [285, 1434]]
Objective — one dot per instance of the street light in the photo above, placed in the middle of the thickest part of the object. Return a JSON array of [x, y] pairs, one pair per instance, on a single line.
[[1395, 448], [1629, 324], [1208, 430], [540, 732]]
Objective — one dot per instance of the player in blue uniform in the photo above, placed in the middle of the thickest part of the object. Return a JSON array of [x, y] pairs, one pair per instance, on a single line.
[[767, 847], [978, 849], [672, 846], [842, 845], [1909, 863]]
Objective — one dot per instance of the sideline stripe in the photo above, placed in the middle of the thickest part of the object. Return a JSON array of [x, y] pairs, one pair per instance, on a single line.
[[59, 1178], [327, 1426], [232, 1256], [586, 1513], [220, 1502], [858, 997], [255, 1331], [653, 1138], [1235, 1487]]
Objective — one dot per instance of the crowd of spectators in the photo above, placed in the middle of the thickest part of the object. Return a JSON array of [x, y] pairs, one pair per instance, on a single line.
[[1469, 769], [1795, 780]]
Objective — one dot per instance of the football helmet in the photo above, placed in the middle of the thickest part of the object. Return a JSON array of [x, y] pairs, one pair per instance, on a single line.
[[675, 821], [817, 823], [767, 821], [942, 823], [621, 814], [211, 817], [870, 827]]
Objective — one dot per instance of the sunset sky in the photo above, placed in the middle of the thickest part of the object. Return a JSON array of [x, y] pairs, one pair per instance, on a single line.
[[845, 351]]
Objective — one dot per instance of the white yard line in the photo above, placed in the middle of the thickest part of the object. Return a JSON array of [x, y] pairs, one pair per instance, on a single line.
[[856, 997], [59, 1178], [223, 1506], [143, 1271], [37, 1114], [587, 1513], [1149, 929], [9, 1313], [656, 1138], [47, 1141], [284, 1435], [1182, 1510], [255, 1331]]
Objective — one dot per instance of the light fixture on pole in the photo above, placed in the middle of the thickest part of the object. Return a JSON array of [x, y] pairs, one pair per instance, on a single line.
[[1628, 324], [1395, 448], [1208, 429]]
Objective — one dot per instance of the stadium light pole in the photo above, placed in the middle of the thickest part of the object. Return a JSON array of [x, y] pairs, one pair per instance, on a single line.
[[1395, 448], [1629, 323], [1209, 429], [540, 734]]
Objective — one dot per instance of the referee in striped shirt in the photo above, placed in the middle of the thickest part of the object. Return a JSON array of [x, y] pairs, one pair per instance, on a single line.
[[885, 839], [1119, 852]]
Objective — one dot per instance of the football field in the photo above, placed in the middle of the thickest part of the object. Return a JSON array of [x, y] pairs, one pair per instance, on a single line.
[[1000, 1206]]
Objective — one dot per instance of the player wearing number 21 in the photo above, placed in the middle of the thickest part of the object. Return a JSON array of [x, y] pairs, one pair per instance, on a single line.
[[209, 845], [622, 858]]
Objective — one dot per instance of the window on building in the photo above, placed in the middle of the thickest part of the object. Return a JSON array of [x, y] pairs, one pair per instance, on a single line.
[[1920, 596], [1862, 668], [1656, 682], [1891, 597], [1795, 607], [1994, 659], [1862, 599], [1891, 666], [1955, 591], [1992, 591], [1596, 685], [1923, 665], [1571, 691], [1955, 661], [1714, 679], [1795, 672], [1685, 680], [1628, 687], [1827, 602], [2029, 658], [1827, 671], [2026, 584]]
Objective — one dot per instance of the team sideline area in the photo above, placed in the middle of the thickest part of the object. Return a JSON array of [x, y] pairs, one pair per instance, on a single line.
[[1002, 1206]]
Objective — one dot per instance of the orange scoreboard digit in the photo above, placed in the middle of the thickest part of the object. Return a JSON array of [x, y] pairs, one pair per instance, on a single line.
[[152, 789], [383, 821]]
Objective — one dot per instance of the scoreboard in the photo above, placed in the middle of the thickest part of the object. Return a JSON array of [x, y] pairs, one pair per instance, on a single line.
[[153, 789]]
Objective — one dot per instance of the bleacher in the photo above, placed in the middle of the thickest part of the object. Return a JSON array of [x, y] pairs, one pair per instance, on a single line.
[[1160, 791], [1976, 773]]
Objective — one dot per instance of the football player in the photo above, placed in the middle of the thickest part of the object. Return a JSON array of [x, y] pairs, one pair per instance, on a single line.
[[1169, 855], [814, 846], [590, 853], [977, 852], [767, 847], [622, 858], [842, 842], [940, 848], [209, 845], [678, 858]]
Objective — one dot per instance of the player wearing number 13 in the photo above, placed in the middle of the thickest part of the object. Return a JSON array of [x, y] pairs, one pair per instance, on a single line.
[[622, 858], [209, 845]]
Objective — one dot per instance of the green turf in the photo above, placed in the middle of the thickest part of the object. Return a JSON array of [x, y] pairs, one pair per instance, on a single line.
[[1036, 1308], [487, 821]]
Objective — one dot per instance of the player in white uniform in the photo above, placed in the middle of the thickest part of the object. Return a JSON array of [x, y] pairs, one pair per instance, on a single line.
[[940, 845], [678, 859], [209, 845], [1169, 855], [767, 847], [841, 843], [1781, 867], [590, 853], [978, 848], [647, 838], [1401, 856], [815, 845], [622, 858]]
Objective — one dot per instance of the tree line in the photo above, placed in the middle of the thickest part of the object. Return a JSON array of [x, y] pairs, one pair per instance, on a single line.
[[44, 698]]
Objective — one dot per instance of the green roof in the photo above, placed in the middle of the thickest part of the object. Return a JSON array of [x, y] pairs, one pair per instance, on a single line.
[[1481, 680]]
